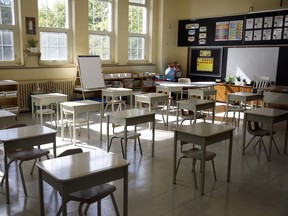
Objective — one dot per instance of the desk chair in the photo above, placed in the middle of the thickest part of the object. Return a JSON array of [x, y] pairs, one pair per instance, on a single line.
[[155, 107], [196, 154], [255, 130], [90, 195], [24, 154], [189, 115], [68, 120], [47, 109], [130, 135], [187, 81], [260, 83], [116, 101], [234, 107]]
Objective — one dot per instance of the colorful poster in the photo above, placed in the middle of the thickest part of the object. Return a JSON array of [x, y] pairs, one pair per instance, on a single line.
[[235, 30], [205, 64], [221, 33], [205, 53]]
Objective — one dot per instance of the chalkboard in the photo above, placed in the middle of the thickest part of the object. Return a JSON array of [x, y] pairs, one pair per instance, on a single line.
[[90, 72]]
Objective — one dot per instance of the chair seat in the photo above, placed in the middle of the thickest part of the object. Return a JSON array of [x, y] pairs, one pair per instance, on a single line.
[[130, 135], [27, 154], [197, 154], [92, 194]]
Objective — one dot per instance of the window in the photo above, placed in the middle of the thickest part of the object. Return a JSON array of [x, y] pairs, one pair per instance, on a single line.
[[7, 31], [137, 38], [100, 26], [54, 30]]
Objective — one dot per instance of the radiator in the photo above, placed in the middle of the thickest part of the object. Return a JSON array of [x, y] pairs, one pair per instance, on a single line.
[[25, 88]]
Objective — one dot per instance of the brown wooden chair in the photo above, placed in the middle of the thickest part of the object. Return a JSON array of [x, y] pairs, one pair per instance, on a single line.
[[90, 195], [196, 154], [24, 154]]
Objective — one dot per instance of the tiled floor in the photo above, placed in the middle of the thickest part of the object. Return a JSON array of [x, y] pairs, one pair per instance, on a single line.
[[257, 187]]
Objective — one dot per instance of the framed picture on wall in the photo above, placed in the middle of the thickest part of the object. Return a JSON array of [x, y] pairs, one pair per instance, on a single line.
[[30, 24]]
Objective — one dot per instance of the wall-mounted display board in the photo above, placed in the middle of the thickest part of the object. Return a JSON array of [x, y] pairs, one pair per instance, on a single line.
[[263, 28], [205, 62]]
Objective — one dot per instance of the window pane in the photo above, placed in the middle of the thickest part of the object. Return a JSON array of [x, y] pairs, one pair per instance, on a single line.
[[137, 20], [99, 18], [137, 1], [53, 13], [100, 45], [53, 46], [6, 45], [136, 48], [6, 13]]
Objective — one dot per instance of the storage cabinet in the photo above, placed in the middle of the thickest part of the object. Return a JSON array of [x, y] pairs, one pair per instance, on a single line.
[[9, 96], [223, 89]]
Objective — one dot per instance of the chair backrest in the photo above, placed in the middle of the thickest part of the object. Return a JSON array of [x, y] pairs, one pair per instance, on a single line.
[[70, 152], [253, 127], [184, 80], [261, 82], [15, 126]]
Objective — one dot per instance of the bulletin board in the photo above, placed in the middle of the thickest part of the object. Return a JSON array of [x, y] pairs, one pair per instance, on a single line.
[[90, 72]]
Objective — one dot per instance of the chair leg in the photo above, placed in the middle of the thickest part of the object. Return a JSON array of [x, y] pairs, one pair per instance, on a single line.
[[22, 178], [80, 209], [115, 204], [179, 160], [109, 146], [121, 141], [273, 140], [213, 165], [8, 166], [249, 142], [140, 146]]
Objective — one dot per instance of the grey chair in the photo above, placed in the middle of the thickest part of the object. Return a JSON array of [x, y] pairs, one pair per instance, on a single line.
[[90, 195], [22, 155], [254, 129], [234, 107], [196, 154], [189, 115], [120, 135]]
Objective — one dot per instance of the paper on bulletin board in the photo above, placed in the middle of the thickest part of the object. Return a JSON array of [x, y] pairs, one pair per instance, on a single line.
[[205, 64]]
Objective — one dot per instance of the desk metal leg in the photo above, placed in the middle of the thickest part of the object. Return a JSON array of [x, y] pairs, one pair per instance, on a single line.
[[125, 141], [285, 144], [6, 177], [41, 196], [107, 136], [153, 136], [203, 148], [270, 142], [175, 156], [125, 192], [244, 134], [230, 156]]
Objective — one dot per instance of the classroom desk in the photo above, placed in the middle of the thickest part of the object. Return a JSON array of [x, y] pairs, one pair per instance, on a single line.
[[24, 137], [128, 118], [203, 134], [76, 107], [49, 98], [6, 116], [269, 116], [67, 175], [243, 97], [202, 92], [195, 105], [115, 92], [153, 98], [188, 85], [170, 89]]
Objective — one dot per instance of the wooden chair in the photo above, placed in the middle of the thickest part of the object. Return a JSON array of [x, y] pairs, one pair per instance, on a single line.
[[24, 154], [130, 135], [196, 154], [254, 129], [90, 195], [47, 109]]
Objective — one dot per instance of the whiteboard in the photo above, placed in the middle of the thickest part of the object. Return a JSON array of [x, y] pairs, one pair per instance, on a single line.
[[251, 62], [90, 71]]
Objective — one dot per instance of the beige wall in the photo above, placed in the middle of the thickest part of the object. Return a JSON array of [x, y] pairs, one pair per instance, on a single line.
[[163, 48]]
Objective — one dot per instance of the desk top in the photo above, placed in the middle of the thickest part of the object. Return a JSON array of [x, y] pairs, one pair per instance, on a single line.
[[204, 129], [5, 113], [276, 88], [195, 101], [268, 112], [244, 94], [117, 90], [25, 132], [69, 167], [80, 103], [49, 95], [151, 95], [130, 113], [191, 84]]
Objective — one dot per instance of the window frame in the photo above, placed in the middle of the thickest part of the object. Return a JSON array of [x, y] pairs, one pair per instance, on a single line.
[[139, 35], [68, 31], [18, 59], [108, 33]]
